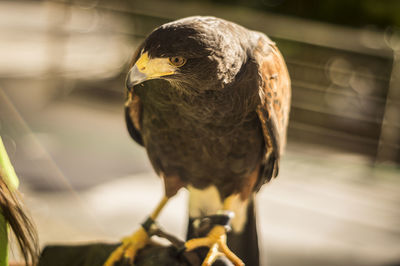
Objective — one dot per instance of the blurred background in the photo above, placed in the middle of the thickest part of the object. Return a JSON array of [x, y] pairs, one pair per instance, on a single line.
[[336, 202]]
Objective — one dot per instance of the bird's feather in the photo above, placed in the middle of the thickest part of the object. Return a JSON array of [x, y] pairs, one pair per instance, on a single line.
[[273, 111], [133, 106]]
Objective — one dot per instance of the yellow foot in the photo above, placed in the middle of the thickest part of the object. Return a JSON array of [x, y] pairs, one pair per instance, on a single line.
[[129, 248], [216, 241]]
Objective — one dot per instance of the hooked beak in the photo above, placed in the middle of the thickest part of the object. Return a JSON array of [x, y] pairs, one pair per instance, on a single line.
[[148, 68], [135, 77]]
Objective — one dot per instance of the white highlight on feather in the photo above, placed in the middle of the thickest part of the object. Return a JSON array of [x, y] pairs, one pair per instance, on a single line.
[[239, 207], [203, 202]]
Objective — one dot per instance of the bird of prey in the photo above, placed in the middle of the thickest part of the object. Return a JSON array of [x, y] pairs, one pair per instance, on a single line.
[[209, 100]]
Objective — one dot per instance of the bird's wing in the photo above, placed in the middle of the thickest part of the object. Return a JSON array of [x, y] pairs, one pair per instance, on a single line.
[[273, 111], [133, 107]]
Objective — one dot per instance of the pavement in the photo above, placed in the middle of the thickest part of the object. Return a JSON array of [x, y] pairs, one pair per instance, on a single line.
[[303, 219]]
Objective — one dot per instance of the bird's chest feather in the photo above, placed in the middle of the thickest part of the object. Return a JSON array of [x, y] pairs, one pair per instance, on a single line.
[[201, 138]]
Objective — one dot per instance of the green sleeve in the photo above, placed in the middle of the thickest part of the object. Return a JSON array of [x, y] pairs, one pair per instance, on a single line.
[[11, 180], [7, 170], [3, 241]]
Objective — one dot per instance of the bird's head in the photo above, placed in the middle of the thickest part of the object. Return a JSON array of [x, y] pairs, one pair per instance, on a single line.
[[199, 53]]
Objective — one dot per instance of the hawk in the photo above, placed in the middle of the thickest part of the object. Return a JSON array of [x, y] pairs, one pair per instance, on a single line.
[[209, 100]]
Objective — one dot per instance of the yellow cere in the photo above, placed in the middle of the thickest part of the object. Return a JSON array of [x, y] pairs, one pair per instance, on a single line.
[[154, 67]]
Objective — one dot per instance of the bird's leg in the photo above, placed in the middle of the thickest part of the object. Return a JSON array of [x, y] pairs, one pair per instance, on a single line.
[[216, 238], [138, 240]]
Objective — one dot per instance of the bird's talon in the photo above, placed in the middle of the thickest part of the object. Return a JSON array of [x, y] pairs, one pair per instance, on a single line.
[[216, 241], [129, 247]]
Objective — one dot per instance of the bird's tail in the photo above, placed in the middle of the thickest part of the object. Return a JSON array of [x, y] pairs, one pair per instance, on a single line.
[[243, 244]]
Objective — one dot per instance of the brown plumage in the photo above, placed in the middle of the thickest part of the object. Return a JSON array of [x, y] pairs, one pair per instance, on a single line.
[[221, 118], [219, 130]]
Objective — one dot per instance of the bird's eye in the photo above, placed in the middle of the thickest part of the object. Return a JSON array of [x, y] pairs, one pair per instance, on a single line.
[[177, 61]]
